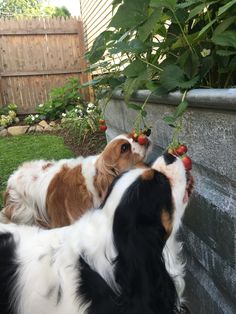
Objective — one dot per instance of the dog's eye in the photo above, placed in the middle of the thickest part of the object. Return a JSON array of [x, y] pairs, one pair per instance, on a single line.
[[125, 148]]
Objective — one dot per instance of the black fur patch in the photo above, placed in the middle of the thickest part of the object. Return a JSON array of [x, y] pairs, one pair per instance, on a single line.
[[139, 237], [93, 288], [169, 158], [8, 271]]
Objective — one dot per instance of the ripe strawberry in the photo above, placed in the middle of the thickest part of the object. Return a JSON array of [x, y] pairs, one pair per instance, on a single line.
[[102, 128], [101, 121], [181, 150], [142, 139], [187, 162]]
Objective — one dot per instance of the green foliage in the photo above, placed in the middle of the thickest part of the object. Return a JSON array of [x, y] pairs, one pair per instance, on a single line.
[[30, 8], [61, 11], [177, 44], [81, 121], [32, 119], [17, 149], [61, 99]]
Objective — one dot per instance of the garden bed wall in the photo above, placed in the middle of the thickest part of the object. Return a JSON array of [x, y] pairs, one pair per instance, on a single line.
[[209, 228]]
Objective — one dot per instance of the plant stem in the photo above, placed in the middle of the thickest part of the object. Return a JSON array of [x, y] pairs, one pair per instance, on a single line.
[[152, 65], [178, 128]]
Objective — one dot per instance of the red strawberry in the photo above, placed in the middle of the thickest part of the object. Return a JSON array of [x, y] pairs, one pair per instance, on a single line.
[[102, 128], [187, 162], [181, 150], [142, 139]]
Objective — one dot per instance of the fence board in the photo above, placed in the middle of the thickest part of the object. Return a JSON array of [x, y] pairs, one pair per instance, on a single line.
[[37, 55]]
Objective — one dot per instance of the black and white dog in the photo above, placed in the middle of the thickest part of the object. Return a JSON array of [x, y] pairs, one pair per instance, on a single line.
[[110, 261]]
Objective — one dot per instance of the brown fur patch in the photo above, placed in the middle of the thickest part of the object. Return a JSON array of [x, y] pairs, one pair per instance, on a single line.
[[5, 196], [112, 162], [148, 174], [67, 197], [166, 221], [45, 167]]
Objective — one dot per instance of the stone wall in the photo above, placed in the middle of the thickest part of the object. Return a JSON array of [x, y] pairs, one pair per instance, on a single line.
[[209, 228]]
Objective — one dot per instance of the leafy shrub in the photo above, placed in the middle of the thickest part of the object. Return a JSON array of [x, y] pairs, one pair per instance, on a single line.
[[32, 119], [164, 45], [8, 115], [81, 121], [61, 99]]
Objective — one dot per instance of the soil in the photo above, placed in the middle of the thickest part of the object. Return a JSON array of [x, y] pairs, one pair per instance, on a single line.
[[91, 145]]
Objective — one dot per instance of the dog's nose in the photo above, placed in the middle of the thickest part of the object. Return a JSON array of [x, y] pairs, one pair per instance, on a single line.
[[169, 158]]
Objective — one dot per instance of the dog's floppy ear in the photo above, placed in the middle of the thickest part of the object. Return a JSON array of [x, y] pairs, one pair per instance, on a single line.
[[140, 270]]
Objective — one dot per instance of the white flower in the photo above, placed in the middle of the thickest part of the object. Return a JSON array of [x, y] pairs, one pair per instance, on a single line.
[[90, 105], [32, 118], [63, 115], [76, 110], [205, 52], [36, 116], [41, 105], [89, 110]]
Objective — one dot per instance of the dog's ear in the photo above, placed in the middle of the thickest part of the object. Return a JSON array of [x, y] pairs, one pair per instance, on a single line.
[[139, 237]]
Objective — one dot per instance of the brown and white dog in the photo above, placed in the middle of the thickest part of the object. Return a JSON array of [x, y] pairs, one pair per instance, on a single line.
[[56, 193]]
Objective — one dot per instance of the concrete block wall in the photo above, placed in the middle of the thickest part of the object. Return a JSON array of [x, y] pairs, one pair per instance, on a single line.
[[209, 226]]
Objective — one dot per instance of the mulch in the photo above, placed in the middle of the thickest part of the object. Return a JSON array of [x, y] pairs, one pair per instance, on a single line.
[[90, 145]]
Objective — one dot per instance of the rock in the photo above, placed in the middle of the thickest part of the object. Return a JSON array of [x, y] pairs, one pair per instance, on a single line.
[[39, 128], [32, 129], [52, 123], [3, 132], [45, 125], [18, 130]]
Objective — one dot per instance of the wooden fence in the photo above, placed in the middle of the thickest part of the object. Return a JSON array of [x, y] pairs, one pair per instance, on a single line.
[[37, 55]]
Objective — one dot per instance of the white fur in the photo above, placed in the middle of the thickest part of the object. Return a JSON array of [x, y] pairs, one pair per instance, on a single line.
[[173, 249], [54, 255], [49, 258], [28, 185]]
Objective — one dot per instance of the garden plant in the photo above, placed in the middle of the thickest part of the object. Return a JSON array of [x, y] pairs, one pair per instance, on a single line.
[[163, 46]]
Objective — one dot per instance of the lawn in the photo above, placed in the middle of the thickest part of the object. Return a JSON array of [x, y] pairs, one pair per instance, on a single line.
[[17, 149]]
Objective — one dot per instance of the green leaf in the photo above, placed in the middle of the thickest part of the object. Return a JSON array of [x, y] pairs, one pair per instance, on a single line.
[[144, 113], [152, 86], [189, 62], [224, 25], [170, 4], [135, 68], [227, 38], [198, 9], [138, 13], [225, 53], [170, 120], [133, 84], [226, 7], [135, 106], [146, 29], [190, 83], [99, 46], [181, 109], [232, 64], [171, 77], [206, 27]]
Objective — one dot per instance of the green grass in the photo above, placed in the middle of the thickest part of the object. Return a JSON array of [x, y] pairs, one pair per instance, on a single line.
[[17, 149]]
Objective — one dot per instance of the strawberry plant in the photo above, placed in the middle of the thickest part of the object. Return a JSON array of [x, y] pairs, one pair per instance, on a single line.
[[165, 45]]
